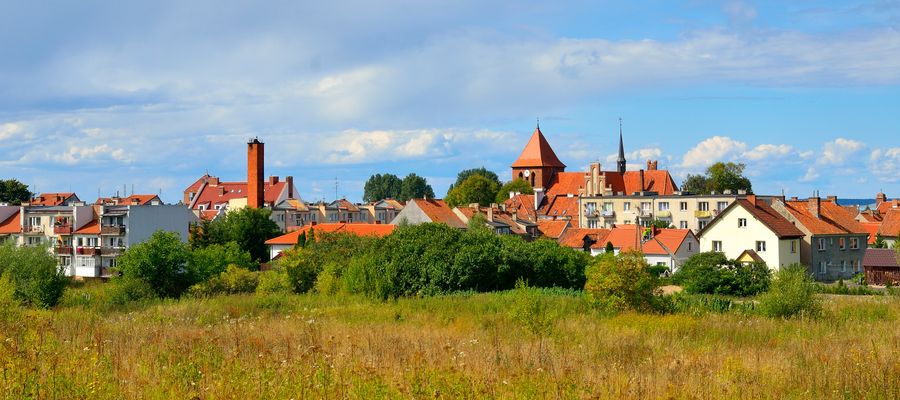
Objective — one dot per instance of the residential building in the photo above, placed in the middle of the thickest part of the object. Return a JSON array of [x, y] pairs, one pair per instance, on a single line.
[[881, 267], [312, 231], [680, 210], [54, 199], [834, 243], [662, 247], [133, 200], [382, 211], [498, 220], [421, 211], [750, 223], [553, 228]]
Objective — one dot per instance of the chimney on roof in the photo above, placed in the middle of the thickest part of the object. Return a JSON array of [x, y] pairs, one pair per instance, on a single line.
[[880, 198], [273, 180], [538, 198], [832, 199], [651, 165], [752, 199], [213, 181], [255, 173], [794, 198], [289, 181], [490, 212], [814, 206], [895, 203], [642, 180]]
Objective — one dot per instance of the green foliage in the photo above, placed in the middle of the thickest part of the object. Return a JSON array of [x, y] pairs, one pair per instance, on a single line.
[[334, 250], [466, 173], [879, 242], [713, 273], [414, 187], [122, 291], [9, 304], [658, 223], [475, 189], [701, 304], [719, 177], [380, 187], [843, 289], [621, 282], [233, 280], [517, 185], [14, 192], [162, 261], [273, 282], [248, 227], [34, 272], [531, 310], [212, 260], [609, 248], [792, 293]]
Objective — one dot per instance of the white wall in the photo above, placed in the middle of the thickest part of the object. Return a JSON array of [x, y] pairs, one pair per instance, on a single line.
[[735, 240], [143, 221]]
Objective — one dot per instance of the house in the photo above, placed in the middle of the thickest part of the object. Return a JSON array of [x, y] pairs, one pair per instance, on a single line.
[[134, 200], [662, 247], [680, 210], [889, 228], [881, 267], [498, 220], [290, 239], [421, 211], [553, 228], [834, 242], [382, 211], [750, 223], [54, 199]]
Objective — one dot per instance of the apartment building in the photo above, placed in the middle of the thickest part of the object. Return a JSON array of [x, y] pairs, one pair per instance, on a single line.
[[680, 210]]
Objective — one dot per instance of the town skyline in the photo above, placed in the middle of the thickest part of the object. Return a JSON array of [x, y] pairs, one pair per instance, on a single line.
[[152, 97]]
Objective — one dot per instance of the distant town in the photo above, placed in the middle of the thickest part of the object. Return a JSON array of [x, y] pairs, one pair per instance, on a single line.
[[592, 210]]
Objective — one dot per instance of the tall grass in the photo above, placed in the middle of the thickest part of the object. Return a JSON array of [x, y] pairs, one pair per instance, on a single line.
[[455, 346]]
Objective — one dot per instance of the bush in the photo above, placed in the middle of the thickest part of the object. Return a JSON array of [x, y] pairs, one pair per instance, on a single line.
[[162, 261], [34, 272], [273, 282], [9, 304], [700, 304], [212, 260], [621, 282], [234, 280], [792, 293], [713, 273], [123, 291]]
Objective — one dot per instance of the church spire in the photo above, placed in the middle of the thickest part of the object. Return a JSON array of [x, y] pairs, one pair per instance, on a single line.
[[620, 163]]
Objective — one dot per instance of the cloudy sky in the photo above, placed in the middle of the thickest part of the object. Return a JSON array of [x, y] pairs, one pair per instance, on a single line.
[[97, 95]]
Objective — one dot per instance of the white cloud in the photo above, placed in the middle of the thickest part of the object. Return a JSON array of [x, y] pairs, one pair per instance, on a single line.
[[9, 130], [714, 149], [885, 164], [810, 176], [838, 151], [768, 151], [76, 154]]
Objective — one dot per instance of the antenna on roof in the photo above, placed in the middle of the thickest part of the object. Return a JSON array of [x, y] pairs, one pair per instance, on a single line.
[[538, 126], [335, 188]]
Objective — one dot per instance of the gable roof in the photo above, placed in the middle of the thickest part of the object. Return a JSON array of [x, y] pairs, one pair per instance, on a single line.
[[51, 199], [135, 199], [225, 191], [574, 237], [343, 204], [656, 180], [762, 211], [552, 228], [872, 229], [833, 219], [91, 228], [438, 211], [888, 205], [890, 226], [663, 241], [538, 153], [523, 205], [291, 238], [752, 254], [11, 224], [880, 258]]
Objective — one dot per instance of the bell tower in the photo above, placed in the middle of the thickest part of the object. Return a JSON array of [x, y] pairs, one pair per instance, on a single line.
[[537, 164]]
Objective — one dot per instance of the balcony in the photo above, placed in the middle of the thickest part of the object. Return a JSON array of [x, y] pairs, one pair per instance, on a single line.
[[664, 214], [591, 213], [65, 229], [609, 214], [32, 229], [89, 251], [63, 250], [703, 214], [112, 230], [112, 251], [645, 213]]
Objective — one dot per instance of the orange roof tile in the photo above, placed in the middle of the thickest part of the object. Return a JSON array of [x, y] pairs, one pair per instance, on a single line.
[[777, 223], [538, 153], [890, 227], [872, 229], [51, 199], [553, 228], [438, 211], [11, 225], [291, 238], [886, 206], [91, 228], [833, 219], [574, 237], [523, 205], [225, 191]]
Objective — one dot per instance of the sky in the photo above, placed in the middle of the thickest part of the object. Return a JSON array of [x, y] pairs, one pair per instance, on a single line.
[[100, 97]]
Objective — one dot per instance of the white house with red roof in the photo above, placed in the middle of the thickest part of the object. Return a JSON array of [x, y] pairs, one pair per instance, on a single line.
[[662, 247]]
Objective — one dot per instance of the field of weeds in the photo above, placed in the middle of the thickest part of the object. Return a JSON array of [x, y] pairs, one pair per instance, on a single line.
[[459, 346]]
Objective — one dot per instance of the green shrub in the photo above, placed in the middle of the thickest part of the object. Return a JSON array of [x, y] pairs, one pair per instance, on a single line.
[[123, 291], [34, 272], [792, 293], [234, 280], [713, 273], [700, 304], [212, 260], [621, 282], [162, 261], [273, 282], [9, 304]]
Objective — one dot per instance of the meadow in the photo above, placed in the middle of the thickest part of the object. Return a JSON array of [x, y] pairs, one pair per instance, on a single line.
[[452, 346]]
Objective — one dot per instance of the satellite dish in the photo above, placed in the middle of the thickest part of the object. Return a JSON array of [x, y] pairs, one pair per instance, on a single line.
[[527, 173]]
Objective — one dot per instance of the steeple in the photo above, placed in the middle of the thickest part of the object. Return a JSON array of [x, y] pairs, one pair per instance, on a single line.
[[620, 163]]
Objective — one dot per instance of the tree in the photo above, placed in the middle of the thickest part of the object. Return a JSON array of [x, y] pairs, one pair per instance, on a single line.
[[792, 293], [879, 242], [516, 186], [414, 187], [658, 223], [163, 261], [466, 173], [712, 273], [719, 177], [248, 227], [621, 282], [609, 248], [34, 273], [381, 187], [475, 189], [212, 260], [14, 192]]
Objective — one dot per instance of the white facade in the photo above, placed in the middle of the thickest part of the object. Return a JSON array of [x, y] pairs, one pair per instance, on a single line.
[[737, 230]]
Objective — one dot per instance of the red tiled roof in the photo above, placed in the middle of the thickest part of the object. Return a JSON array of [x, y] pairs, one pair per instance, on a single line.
[[886, 206], [872, 229], [498, 215], [833, 219], [523, 205], [880, 258], [552, 228], [291, 238], [225, 191], [344, 204], [135, 199], [50, 199], [208, 215], [11, 225], [91, 228], [890, 226], [871, 216], [561, 198], [659, 181], [538, 153], [663, 242], [438, 211], [777, 223], [574, 237]]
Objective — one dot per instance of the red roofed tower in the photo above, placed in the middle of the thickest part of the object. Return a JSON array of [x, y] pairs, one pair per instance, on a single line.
[[538, 163], [255, 160]]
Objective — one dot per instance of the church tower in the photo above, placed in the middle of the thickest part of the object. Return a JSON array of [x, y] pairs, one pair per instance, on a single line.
[[538, 163], [620, 162]]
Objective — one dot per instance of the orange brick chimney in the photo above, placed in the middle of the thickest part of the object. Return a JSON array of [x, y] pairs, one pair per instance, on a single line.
[[255, 180]]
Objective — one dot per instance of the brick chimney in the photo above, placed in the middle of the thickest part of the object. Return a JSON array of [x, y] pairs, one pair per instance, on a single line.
[[213, 181], [273, 180], [832, 199], [814, 206], [752, 199], [289, 181], [651, 165], [490, 212], [642, 180], [880, 198], [255, 173]]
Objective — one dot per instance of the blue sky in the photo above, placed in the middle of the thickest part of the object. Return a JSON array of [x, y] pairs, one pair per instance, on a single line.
[[97, 95]]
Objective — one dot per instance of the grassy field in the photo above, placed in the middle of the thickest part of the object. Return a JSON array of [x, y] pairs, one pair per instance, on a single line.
[[462, 346]]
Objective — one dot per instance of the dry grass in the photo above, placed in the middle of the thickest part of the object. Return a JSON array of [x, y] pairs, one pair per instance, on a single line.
[[444, 347]]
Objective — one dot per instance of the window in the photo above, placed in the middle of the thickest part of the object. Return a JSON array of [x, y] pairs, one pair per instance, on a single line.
[[626, 206], [592, 224], [34, 221], [683, 224], [843, 265], [760, 246], [822, 268], [858, 265], [717, 245], [702, 224], [721, 205], [703, 206], [793, 246], [854, 243], [664, 206], [683, 206], [842, 243], [690, 246], [742, 222], [608, 206], [821, 244], [34, 240], [646, 206]]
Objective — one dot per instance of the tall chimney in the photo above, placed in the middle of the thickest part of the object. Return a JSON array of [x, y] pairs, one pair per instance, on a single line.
[[255, 180], [814, 204], [880, 198], [289, 181], [642, 180]]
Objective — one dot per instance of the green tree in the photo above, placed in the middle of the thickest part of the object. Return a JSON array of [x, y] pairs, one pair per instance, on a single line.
[[163, 261], [713, 273], [517, 186], [414, 187], [248, 227], [879, 242], [34, 271], [695, 184], [658, 223], [719, 177], [609, 248], [381, 187], [14, 192], [475, 189], [792, 293], [466, 173], [212, 260], [621, 282]]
